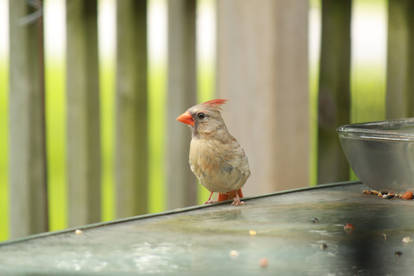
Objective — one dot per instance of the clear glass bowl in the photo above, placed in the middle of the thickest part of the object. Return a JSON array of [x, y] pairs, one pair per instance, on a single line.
[[381, 153]]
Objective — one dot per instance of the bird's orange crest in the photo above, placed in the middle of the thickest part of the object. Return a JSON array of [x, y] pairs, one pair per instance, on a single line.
[[215, 102]]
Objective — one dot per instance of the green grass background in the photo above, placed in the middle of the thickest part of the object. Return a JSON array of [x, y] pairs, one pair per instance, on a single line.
[[56, 140]]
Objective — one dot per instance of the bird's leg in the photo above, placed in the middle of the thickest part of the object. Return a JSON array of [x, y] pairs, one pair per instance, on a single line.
[[209, 201], [236, 199], [223, 197]]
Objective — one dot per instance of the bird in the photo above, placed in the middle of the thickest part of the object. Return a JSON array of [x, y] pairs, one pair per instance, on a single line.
[[215, 157]]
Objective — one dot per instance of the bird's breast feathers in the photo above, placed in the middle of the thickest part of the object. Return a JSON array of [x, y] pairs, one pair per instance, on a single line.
[[220, 167]]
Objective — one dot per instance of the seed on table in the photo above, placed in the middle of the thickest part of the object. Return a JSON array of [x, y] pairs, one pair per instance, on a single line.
[[234, 253], [264, 262], [324, 246], [349, 228], [398, 253], [407, 240], [388, 196], [315, 220], [407, 195]]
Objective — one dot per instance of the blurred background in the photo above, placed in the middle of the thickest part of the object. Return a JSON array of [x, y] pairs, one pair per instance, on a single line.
[[89, 93]]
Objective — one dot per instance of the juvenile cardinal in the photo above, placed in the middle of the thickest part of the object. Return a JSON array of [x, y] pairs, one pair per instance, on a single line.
[[216, 158]]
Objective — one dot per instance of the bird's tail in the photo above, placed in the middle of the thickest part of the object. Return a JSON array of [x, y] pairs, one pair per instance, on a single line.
[[229, 195]]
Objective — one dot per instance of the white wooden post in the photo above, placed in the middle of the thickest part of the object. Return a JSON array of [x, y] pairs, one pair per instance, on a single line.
[[181, 183], [27, 147], [262, 68], [83, 124], [131, 109]]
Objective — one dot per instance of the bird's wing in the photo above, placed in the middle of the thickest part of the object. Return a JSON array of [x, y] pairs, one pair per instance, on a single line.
[[234, 167]]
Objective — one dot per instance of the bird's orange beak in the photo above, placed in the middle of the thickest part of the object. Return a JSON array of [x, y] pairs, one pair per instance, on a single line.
[[186, 118]]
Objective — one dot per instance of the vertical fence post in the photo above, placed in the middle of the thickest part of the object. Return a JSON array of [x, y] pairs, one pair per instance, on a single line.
[[131, 109], [27, 186], [263, 70], [83, 134], [181, 184], [400, 59], [334, 88]]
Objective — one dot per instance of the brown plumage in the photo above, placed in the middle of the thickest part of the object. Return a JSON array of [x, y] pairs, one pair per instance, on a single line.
[[216, 158]]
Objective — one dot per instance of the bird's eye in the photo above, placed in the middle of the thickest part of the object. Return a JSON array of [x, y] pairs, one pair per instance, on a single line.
[[201, 115]]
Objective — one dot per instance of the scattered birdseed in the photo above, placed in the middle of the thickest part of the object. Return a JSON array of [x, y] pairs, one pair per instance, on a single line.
[[234, 253], [407, 240], [315, 220], [407, 195], [264, 262], [398, 253], [252, 233], [349, 228], [78, 232], [324, 246], [386, 194], [373, 192]]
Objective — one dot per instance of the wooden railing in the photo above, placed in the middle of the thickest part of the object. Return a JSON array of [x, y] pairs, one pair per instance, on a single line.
[[262, 67]]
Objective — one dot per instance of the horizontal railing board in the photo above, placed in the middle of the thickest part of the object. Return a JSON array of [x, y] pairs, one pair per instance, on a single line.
[[176, 211]]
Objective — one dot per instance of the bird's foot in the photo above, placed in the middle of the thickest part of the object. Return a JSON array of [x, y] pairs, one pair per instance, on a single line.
[[210, 201], [237, 201]]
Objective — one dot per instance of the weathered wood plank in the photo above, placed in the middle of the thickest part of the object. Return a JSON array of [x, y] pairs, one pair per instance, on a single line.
[[182, 189], [131, 109], [334, 89], [27, 151], [83, 126], [400, 59], [263, 70]]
